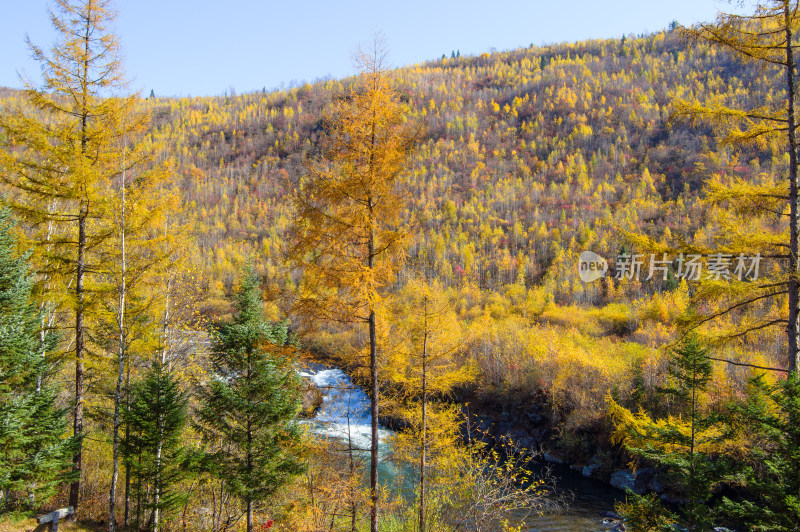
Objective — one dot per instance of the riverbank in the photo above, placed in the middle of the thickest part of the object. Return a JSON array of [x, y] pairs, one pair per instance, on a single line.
[[345, 414], [529, 420]]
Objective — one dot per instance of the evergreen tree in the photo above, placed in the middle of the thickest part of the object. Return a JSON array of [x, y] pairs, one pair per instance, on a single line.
[[34, 455], [152, 448], [681, 445], [771, 477], [248, 410]]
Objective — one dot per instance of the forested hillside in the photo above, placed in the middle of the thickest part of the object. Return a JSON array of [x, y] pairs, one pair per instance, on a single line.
[[525, 159], [518, 162]]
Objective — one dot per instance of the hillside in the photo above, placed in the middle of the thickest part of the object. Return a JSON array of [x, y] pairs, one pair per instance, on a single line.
[[526, 158], [159, 253], [522, 153]]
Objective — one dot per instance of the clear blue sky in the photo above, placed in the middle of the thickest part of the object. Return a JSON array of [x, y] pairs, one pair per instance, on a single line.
[[205, 47]]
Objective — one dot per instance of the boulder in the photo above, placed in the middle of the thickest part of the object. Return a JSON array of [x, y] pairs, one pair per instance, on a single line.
[[552, 459], [637, 482], [312, 398], [624, 479], [589, 469], [644, 477]]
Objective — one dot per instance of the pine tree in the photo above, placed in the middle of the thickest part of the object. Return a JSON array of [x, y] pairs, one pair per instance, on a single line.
[[681, 445], [156, 418], [769, 475], [347, 235], [34, 455], [248, 411]]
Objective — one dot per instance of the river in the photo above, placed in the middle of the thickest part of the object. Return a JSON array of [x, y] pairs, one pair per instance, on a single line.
[[346, 407]]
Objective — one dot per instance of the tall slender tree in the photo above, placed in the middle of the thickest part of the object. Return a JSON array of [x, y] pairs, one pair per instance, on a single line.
[[61, 160], [348, 214], [248, 411], [135, 257], [769, 38], [428, 336]]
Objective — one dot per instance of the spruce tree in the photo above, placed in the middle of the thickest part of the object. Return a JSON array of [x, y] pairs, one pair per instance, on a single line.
[[34, 455], [680, 445], [152, 447], [770, 476], [248, 410]]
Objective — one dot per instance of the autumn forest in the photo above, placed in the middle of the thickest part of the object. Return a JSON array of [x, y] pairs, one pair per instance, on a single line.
[[581, 253]]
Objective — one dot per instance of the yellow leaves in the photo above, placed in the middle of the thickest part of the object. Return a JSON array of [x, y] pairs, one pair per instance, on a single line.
[[348, 207], [641, 431], [426, 339]]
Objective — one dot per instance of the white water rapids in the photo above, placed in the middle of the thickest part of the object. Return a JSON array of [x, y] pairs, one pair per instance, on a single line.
[[346, 409]]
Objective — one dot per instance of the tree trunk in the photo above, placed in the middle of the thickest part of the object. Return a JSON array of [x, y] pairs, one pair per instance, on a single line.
[[80, 271], [77, 426], [692, 479], [126, 519], [373, 395], [373, 392], [423, 438], [351, 480], [158, 479], [249, 516], [112, 519], [793, 327]]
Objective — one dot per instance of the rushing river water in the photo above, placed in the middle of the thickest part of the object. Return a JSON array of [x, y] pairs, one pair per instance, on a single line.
[[346, 408]]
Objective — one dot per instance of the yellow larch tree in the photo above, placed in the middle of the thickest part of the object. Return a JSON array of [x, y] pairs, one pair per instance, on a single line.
[[758, 217], [61, 157], [348, 233], [427, 337]]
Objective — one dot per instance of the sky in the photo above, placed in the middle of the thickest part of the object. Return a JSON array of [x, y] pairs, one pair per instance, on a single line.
[[205, 47]]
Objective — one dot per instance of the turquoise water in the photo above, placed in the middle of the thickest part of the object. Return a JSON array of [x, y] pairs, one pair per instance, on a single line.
[[345, 410]]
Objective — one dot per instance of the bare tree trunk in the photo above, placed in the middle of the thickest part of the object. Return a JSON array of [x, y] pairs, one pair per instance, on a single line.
[[126, 518], [351, 480], [158, 479], [77, 426], [165, 323], [112, 519], [423, 435], [373, 392], [47, 312], [793, 328], [80, 271]]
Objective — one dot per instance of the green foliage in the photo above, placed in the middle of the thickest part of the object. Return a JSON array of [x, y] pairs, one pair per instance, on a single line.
[[690, 370], [645, 513], [153, 444], [249, 407], [34, 454], [769, 475], [682, 447]]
